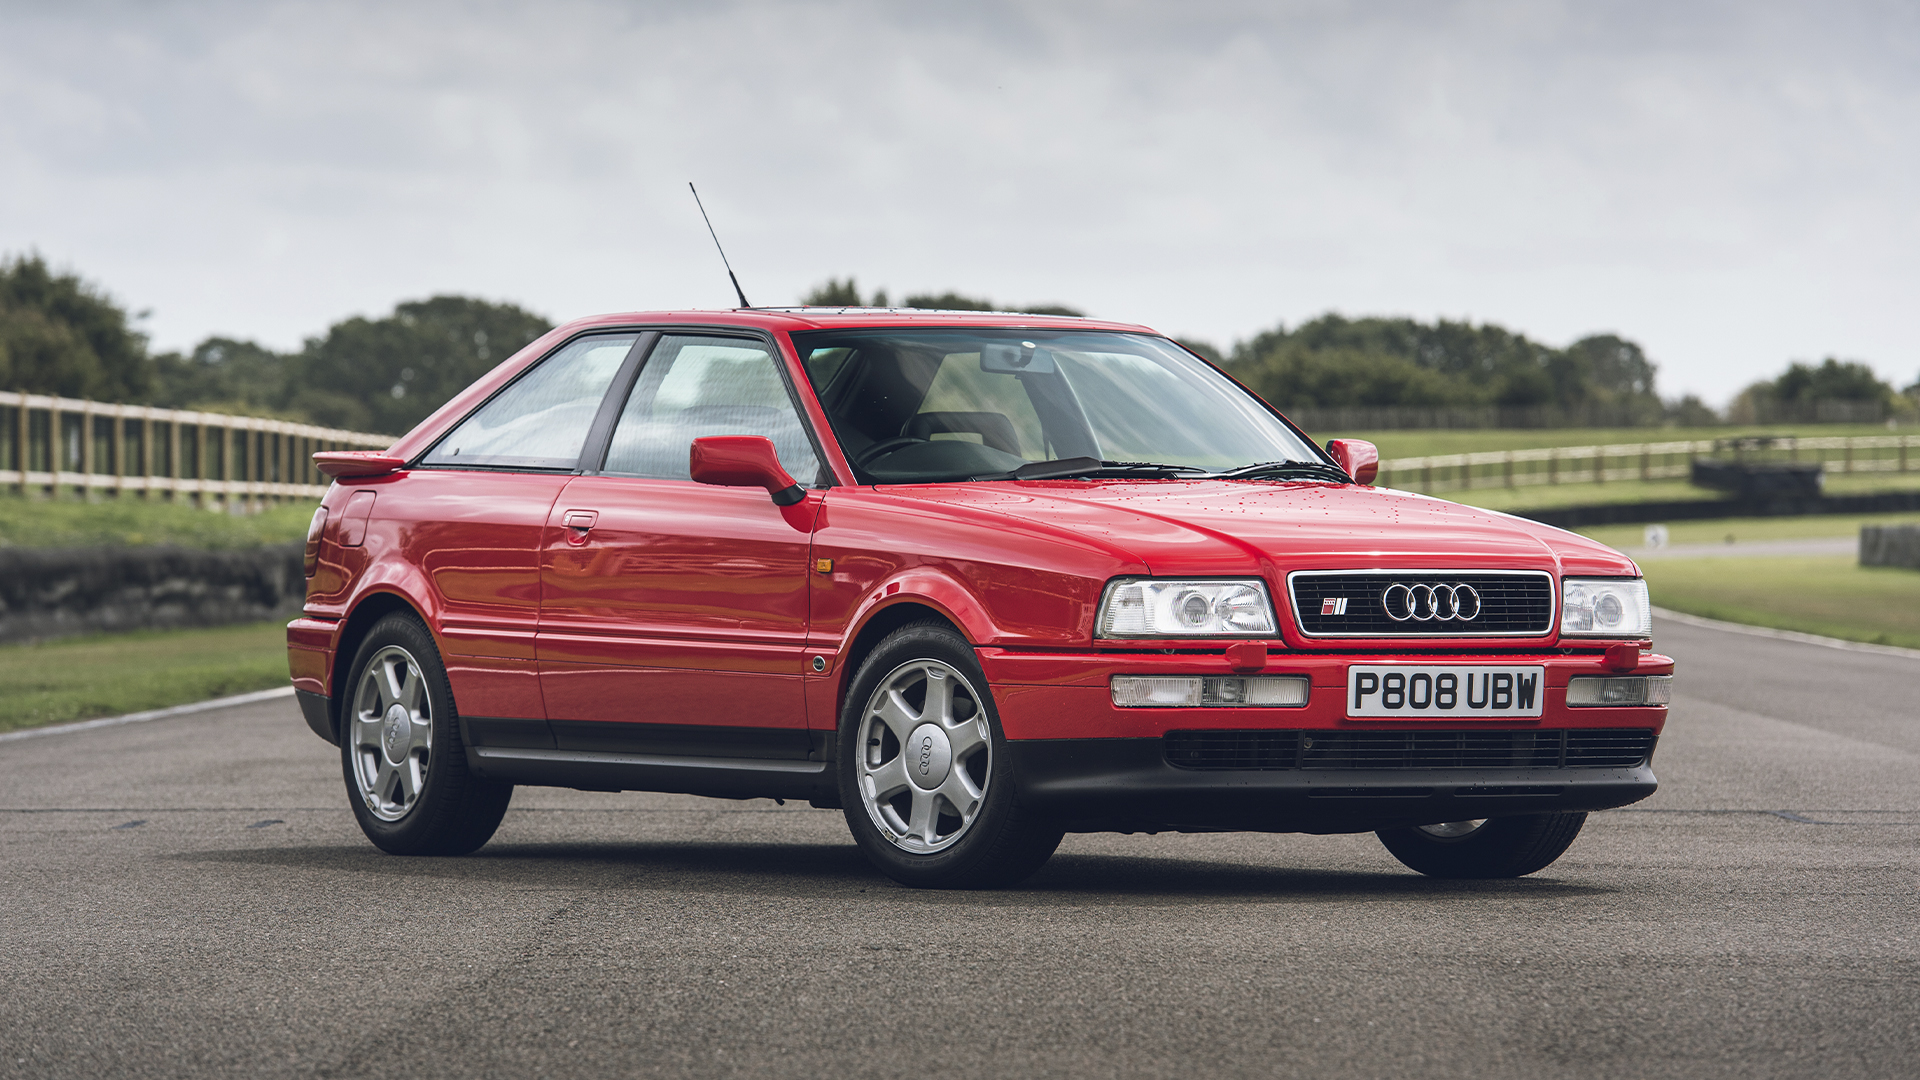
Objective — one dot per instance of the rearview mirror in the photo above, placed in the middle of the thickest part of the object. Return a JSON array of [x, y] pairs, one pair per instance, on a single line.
[[743, 461], [1360, 458], [1009, 358]]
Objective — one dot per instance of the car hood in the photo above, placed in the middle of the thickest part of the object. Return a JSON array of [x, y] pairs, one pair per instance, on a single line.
[[1235, 526]]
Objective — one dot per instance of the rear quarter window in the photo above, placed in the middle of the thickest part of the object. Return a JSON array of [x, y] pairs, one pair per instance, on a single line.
[[540, 420]]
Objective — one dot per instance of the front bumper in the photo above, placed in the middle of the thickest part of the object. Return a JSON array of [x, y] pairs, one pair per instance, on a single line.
[[1082, 760], [1046, 695], [1128, 785]]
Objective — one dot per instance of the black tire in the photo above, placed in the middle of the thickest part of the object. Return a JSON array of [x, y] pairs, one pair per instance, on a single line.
[[1001, 843], [406, 771], [1499, 848]]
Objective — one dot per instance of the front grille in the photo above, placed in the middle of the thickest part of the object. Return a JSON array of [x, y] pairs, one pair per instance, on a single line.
[[1421, 749], [1511, 605]]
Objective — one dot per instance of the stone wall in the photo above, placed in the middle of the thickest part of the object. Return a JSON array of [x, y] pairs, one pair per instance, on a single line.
[[1890, 545], [46, 593]]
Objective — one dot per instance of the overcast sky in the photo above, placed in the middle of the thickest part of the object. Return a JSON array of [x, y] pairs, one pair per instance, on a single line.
[[1732, 185]]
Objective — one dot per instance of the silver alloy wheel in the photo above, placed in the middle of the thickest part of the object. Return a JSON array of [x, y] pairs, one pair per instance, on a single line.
[[926, 756], [391, 732], [1454, 830]]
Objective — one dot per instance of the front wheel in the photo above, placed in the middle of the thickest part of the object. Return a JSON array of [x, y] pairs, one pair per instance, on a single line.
[[1485, 847], [924, 774], [406, 769]]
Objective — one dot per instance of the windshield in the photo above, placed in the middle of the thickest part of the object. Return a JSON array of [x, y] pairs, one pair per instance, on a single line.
[[914, 405]]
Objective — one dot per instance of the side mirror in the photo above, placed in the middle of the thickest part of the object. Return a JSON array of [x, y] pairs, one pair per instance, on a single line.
[[743, 461], [345, 463], [1359, 457]]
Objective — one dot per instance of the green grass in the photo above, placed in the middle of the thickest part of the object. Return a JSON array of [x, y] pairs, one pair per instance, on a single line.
[[131, 521], [1426, 443], [114, 674], [1550, 496], [1818, 594], [1813, 526]]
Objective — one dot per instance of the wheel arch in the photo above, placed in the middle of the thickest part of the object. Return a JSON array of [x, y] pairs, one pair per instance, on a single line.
[[367, 611], [878, 624]]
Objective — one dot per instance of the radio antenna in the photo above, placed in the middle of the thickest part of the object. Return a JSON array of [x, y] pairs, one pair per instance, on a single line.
[[716, 244]]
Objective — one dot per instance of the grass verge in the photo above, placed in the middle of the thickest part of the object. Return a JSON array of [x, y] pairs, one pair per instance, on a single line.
[[1830, 595], [115, 674], [132, 522], [1553, 496], [1742, 530]]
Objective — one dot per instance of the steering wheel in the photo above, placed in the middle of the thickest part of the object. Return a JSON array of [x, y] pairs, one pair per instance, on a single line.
[[881, 449]]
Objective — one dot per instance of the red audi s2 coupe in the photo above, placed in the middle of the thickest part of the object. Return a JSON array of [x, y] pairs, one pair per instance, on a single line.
[[978, 580]]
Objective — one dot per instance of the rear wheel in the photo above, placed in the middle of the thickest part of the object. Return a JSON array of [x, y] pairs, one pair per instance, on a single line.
[[1485, 847], [400, 748], [924, 772]]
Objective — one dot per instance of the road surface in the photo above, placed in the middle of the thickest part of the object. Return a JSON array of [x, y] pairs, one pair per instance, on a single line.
[[191, 897]]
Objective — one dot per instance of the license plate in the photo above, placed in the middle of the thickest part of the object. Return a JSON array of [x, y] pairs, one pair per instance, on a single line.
[[1443, 691]]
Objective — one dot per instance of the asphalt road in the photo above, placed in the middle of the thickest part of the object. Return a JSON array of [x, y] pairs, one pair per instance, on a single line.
[[190, 897]]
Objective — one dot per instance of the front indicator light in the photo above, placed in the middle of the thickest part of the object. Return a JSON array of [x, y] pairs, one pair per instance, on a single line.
[[1211, 691], [1160, 607], [1589, 691]]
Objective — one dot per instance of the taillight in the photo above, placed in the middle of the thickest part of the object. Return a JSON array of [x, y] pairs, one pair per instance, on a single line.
[[319, 525]]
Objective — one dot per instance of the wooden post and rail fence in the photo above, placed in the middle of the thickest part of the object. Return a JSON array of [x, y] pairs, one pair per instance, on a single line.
[[54, 444], [1617, 462]]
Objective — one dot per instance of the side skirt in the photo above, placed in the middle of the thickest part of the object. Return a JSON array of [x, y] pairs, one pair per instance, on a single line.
[[725, 778]]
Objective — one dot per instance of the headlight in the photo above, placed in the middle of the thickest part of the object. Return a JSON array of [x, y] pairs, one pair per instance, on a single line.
[[1154, 607], [1605, 607]]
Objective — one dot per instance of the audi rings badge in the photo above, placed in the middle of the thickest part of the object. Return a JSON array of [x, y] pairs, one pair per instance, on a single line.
[[1430, 603]]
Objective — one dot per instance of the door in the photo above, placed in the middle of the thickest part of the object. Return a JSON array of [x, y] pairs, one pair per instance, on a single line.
[[674, 614], [473, 517]]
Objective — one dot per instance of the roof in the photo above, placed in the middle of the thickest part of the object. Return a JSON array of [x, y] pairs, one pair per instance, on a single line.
[[791, 319]]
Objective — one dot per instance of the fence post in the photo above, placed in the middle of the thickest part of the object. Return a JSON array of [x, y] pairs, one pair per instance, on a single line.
[[146, 454], [86, 451], [217, 440], [200, 461], [117, 451], [1599, 464], [1507, 467], [1553, 466], [1847, 461], [24, 442], [173, 458], [1646, 464]]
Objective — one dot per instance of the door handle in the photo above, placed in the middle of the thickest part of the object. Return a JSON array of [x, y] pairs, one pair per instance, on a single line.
[[579, 524]]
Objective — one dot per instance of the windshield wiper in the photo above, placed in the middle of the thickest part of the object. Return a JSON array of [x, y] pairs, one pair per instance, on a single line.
[[1281, 469], [1093, 467]]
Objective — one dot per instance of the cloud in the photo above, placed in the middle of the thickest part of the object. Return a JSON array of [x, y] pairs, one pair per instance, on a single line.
[[1733, 185]]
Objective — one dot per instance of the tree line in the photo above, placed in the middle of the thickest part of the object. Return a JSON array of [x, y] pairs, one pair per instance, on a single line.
[[837, 293], [62, 335]]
